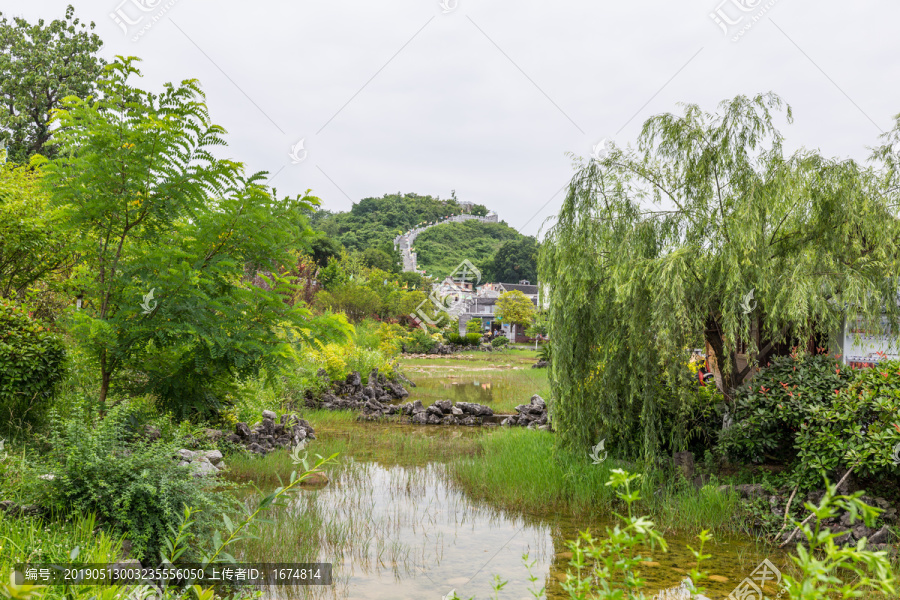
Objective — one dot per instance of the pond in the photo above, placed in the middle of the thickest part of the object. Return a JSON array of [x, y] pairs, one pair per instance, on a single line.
[[404, 532], [395, 525]]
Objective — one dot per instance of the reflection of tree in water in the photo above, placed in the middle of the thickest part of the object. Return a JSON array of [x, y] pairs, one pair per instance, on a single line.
[[470, 391]]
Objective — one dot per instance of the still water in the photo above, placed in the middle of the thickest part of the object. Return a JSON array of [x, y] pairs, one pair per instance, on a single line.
[[409, 533]]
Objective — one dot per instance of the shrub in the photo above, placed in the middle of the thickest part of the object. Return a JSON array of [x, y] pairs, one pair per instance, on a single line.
[[420, 342], [474, 326], [771, 409], [473, 339], [136, 488], [31, 364], [499, 341], [858, 428]]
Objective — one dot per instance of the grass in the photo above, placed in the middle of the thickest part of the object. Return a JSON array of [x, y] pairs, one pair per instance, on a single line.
[[518, 469]]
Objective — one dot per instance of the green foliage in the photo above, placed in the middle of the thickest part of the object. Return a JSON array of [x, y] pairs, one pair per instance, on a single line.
[[135, 487], [772, 409], [420, 342], [474, 326], [182, 257], [31, 246], [473, 339], [355, 300], [31, 365], [375, 222], [515, 307], [499, 341], [660, 245], [441, 249], [40, 64], [379, 259], [513, 261], [827, 570], [857, 427]]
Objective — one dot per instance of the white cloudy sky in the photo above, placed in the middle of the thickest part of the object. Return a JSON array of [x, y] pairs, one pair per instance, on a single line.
[[488, 98]]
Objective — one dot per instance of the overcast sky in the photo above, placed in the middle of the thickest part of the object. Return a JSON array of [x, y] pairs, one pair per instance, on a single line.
[[488, 98]]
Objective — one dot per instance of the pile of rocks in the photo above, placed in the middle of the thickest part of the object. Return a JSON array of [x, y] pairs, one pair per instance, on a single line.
[[541, 364], [269, 434], [353, 395], [201, 462], [532, 415], [877, 538], [442, 412]]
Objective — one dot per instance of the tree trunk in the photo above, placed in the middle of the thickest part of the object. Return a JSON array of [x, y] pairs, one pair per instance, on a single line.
[[729, 376]]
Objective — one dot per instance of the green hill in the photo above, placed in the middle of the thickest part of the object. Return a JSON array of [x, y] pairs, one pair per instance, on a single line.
[[440, 249], [374, 222]]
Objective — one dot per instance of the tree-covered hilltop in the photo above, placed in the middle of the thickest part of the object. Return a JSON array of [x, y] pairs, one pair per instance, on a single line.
[[440, 249], [375, 222]]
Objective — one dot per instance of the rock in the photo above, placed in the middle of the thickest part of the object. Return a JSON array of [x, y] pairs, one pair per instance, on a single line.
[[213, 456], [882, 503], [846, 538], [419, 418], [544, 428], [750, 490], [456, 411], [541, 364], [315, 480], [815, 497], [539, 402], [185, 455], [845, 519], [213, 435], [233, 438], [684, 462], [242, 430], [450, 420], [417, 407], [372, 381], [151, 433], [256, 449], [354, 379], [203, 469], [434, 410], [268, 425], [890, 515], [860, 531], [882, 536], [269, 414], [445, 405], [775, 503], [433, 419], [469, 421]]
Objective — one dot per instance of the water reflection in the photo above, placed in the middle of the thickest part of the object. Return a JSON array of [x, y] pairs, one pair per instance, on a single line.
[[408, 533]]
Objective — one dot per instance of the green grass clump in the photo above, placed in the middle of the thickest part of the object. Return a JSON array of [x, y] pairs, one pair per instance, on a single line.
[[519, 469]]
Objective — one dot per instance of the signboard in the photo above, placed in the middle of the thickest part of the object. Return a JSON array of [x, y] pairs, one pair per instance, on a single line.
[[864, 345]]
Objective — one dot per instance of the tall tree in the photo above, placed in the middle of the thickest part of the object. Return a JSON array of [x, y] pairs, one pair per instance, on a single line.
[[705, 231], [515, 307], [40, 64], [170, 239], [514, 261]]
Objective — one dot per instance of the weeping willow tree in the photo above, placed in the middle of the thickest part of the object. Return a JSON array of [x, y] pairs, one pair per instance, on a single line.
[[705, 231]]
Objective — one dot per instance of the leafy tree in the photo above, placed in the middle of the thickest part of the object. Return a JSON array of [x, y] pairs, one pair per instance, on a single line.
[[323, 248], [662, 245], [31, 240], [514, 261], [169, 238], [40, 64], [474, 326], [379, 259], [479, 210], [515, 307]]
